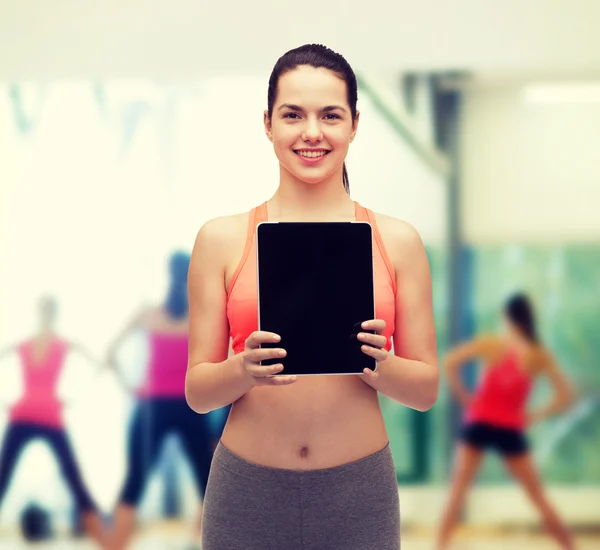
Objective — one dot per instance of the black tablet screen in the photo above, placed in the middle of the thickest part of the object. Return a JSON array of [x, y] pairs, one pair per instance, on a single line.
[[315, 289]]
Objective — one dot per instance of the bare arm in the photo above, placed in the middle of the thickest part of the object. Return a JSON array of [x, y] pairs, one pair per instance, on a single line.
[[456, 359], [99, 364], [78, 348], [411, 376], [138, 321], [84, 352], [564, 394], [213, 380]]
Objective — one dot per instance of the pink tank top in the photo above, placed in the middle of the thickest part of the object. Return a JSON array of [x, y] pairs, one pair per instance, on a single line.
[[39, 403], [501, 398], [168, 365]]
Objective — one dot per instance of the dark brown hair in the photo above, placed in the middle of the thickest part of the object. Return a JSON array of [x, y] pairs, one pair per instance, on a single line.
[[519, 310]]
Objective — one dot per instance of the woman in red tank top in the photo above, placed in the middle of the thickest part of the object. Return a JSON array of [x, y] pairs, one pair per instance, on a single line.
[[38, 414], [496, 415]]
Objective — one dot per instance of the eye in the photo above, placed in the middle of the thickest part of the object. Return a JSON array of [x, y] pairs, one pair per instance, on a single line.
[[332, 116], [291, 115]]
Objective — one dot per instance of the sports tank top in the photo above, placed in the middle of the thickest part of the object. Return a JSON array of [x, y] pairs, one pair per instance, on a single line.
[[242, 293], [168, 360], [501, 398], [39, 403]]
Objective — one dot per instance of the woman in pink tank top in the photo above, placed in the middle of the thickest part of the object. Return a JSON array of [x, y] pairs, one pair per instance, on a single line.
[[161, 407], [496, 414], [38, 414]]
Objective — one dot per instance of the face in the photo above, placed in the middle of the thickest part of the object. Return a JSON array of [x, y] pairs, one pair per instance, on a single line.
[[507, 325], [311, 125], [47, 308]]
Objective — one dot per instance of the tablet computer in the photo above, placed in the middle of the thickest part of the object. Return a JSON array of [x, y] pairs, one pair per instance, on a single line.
[[315, 289]]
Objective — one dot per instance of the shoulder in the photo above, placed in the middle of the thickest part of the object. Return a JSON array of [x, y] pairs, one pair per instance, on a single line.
[[395, 228], [146, 313], [398, 232], [222, 230], [218, 241], [63, 344], [488, 345], [544, 358], [493, 345], [23, 345], [401, 239], [151, 316], [143, 316]]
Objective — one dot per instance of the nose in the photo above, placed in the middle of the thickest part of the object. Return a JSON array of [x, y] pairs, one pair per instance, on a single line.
[[312, 131]]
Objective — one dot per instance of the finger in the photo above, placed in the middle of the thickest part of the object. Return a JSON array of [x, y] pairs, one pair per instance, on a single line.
[[280, 380], [262, 354], [377, 354], [259, 337], [259, 371], [378, 325], [375, 340], [274, 380], [370, 376]]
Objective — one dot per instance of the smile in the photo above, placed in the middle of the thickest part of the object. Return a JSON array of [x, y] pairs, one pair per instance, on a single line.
[[312, 154]]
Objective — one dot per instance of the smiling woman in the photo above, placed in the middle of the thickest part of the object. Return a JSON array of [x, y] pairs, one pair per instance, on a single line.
[[292, 77], [312, 452]]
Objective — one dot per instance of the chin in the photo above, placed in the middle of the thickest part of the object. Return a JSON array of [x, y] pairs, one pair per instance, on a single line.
[[312, 180], [310, 177]]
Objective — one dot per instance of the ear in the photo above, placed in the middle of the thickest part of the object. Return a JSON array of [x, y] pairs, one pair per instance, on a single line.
[[268, 127], [354, 127]]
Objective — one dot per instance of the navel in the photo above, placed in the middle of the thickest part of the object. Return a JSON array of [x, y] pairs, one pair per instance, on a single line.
[[304, 452]]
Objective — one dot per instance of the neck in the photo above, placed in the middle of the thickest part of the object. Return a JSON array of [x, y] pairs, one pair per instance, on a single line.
[[44, 333], [520, 340], [295, 198]]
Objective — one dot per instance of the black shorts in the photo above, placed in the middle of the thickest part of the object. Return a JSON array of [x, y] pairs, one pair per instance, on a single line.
[[507, 442]]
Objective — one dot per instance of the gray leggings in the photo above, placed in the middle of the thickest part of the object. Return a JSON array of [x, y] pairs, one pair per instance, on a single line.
[[350, 507]]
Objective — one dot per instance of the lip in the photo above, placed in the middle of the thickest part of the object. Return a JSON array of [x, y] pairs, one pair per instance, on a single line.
[[315, 160]]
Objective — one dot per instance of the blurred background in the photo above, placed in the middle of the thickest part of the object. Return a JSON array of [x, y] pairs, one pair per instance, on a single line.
[[124, 126]]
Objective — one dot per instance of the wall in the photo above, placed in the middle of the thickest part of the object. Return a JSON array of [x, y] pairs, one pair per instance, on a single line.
[[530, 171]]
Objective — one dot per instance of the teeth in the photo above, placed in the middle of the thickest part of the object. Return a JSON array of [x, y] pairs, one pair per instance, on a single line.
[[311, 154]]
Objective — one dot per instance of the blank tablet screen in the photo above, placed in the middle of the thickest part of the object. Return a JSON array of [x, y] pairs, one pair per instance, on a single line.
[[315, 288]]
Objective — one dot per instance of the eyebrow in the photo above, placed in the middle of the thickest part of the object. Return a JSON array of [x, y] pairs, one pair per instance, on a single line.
[[326, 109]]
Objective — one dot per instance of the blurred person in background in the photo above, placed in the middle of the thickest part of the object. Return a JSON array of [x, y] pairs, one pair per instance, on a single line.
[[496, 413], [39, 413], [161, 408]]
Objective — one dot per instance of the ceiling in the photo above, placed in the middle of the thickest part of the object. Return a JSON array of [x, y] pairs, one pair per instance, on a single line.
[[187, 39]]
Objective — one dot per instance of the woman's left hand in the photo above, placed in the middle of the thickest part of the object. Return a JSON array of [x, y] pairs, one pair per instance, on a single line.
[[373, 345]]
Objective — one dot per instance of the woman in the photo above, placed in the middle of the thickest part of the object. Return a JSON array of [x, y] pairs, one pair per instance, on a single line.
[[496, 414], [39, 414], [161, 408], [306, 463]]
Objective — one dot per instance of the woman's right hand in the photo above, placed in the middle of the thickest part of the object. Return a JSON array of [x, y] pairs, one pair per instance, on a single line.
[[112, 365], [253, 354]]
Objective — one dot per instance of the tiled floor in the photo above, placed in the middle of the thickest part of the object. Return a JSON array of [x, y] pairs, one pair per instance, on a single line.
[[175, 537]]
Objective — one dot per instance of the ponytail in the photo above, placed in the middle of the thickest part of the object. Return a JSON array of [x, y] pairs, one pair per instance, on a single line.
[[345, 180]]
